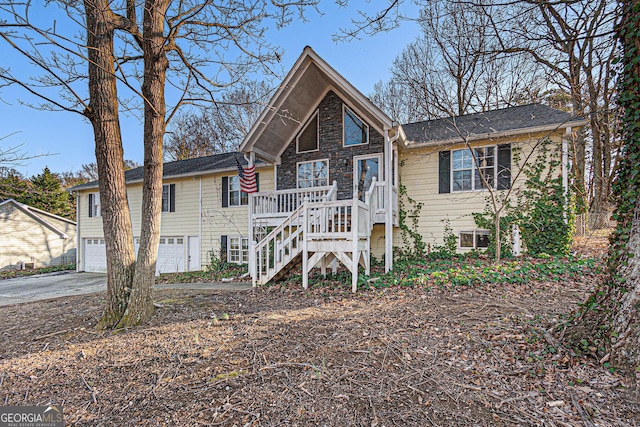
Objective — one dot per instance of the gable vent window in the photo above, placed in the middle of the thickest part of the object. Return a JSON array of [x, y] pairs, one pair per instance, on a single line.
[[308, 139], [356, 132]]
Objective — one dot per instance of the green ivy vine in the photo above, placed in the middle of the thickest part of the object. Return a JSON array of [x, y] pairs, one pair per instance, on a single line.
[[409, 209], [541, 209]]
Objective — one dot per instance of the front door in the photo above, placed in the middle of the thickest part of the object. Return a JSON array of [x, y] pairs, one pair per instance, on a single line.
[[365, 168], [193, 253]]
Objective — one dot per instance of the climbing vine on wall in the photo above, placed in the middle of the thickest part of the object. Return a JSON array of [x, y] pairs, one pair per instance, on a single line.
[[541, 209], [408, 218], [545, 215]]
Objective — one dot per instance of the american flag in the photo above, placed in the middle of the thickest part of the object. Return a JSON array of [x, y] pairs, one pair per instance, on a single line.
[[247, 178]]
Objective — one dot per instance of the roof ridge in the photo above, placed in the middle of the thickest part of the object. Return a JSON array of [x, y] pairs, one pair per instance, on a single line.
[[513, 107]]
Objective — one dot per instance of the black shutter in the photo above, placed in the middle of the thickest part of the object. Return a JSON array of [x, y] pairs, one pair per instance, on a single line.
[[172, 197], [504, 166], [90, 205], [444, 172], [225, 192], [223, 248], [257, 182]]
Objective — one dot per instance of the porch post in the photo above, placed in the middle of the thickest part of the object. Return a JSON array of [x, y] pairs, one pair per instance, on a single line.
[[388, 212]]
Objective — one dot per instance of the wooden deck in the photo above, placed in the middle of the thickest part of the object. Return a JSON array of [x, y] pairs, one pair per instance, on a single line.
[[312, 227]]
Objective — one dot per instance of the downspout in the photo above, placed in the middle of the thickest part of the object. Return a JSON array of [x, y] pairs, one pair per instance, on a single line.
[[77, 231], [388, 220], [252, 244], [565, 169]]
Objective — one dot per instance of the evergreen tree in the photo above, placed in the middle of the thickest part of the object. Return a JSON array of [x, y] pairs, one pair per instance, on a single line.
[[47, 194]]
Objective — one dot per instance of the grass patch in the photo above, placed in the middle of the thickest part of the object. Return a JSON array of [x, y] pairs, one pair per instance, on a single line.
[[228, 270], [461, 270]]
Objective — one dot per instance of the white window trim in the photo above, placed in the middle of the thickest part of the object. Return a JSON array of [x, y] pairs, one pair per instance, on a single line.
[[240, 193], [96, 208], [307, 123], [365, 157], [312, 161], [344, 128], [169, 199], [244, 254], [474, 233], [474, 167]]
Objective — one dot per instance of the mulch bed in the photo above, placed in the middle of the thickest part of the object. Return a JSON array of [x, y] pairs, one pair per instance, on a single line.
[[279, 356]]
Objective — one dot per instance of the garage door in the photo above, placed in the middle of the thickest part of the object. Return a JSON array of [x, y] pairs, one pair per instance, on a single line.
[[95, 256], [170, 255]]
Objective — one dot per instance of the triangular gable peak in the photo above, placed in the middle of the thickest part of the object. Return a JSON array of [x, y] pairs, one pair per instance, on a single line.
[[38, 216], [306, 84]]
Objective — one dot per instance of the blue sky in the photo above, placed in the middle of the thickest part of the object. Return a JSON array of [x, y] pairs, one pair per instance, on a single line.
[[67, 138]]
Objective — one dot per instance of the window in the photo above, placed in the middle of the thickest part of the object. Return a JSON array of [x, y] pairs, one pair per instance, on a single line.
[[238, 250], [313, 174], [307, 140], [356, 132], [94, 205], [475, 239], [232, 196], [467, 173], [236, 196], [169, 198]]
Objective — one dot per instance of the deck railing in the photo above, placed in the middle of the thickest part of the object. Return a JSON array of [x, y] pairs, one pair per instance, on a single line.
[[283, 202]]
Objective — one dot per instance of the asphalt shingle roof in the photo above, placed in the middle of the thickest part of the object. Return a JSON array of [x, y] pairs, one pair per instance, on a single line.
[[496, 121], [499, 121], [207, 164]]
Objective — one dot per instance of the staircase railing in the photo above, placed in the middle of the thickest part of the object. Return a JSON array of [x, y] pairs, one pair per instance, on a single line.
[[330, 219], [283, 243]]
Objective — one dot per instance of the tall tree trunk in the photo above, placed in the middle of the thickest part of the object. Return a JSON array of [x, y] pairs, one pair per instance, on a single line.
[[140, 306], [103, 114], [611, 317]]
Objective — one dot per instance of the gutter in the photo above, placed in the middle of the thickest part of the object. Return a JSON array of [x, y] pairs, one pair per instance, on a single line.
[[489, 135], [183, 175]]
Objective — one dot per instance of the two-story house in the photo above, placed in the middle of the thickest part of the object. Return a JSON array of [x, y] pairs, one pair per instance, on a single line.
[[329, 164]]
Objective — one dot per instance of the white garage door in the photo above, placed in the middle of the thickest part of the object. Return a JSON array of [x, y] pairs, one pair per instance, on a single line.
[[95, 256], [170, 255]]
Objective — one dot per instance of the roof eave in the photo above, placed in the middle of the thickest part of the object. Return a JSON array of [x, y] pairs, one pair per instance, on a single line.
[[489, 135], [307, 57], [183, 175]]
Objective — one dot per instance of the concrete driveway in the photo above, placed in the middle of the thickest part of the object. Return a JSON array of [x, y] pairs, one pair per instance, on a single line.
[[63, 284], [53, 285]]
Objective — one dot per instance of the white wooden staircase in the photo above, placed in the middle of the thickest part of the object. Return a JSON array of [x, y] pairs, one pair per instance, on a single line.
[[311, 227]]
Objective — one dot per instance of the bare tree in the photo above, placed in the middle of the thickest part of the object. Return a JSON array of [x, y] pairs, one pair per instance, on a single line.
[[133, 50], [610, 318], [447, 72], [219, 128], [573, 41]]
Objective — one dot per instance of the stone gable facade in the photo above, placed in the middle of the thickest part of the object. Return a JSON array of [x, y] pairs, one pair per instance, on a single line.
[[331, 147]]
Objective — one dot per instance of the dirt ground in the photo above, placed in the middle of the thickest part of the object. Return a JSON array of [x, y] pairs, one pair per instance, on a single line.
[[281, 356]]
